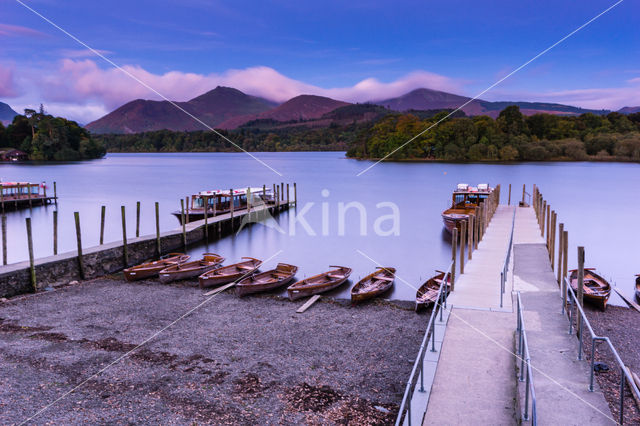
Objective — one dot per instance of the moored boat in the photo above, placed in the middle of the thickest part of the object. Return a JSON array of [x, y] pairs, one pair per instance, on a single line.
[[151, 269], [220, 201], [319, 283], [193, 269], [227, 274], [465, 200], [268, 280], [373, 284], [427, 294], [638, 287], [596, 289]]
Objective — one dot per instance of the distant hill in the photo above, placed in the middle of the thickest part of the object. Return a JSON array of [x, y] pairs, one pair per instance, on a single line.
[[629, 110], [213, 107], [228, 108], [6, 113], [427, 99], [300, 108]]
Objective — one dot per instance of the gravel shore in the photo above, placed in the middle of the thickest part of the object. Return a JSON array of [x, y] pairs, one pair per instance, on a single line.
[[622, 326], [231, 361]]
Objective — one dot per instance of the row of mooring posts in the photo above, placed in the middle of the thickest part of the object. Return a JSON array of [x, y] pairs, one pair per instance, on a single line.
[[471, 233], [281, 201], [556, 239]]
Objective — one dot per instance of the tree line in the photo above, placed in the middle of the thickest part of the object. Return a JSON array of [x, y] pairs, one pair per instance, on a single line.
[[44, 137], [510, 137]]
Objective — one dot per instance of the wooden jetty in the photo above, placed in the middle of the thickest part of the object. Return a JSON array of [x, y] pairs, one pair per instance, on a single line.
[[20, 195]]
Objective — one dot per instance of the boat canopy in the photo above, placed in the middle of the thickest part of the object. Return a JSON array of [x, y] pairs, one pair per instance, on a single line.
[[226, 192]]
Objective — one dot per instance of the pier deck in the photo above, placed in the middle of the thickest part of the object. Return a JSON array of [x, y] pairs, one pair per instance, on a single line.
[[475, 379]]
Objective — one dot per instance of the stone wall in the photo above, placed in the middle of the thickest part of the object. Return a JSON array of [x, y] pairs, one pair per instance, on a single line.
[[109, 258]]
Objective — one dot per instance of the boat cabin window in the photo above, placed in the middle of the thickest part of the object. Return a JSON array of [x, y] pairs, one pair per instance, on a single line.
[[458, 199]]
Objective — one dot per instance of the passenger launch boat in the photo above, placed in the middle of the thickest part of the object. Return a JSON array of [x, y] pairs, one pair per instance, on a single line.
[[319, 283], [227, 274], [266, 281], [219, 201], [596, 289], [151, 269], [373, 284], [427, 294], [191, 269], [465, 201]]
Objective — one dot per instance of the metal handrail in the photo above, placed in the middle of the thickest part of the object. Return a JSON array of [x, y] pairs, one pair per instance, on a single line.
[[418, 365], [573, 310], [507, 258], [522, 353]]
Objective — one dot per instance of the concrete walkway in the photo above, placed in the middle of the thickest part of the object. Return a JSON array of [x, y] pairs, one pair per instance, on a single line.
[[561, 381], [475, 379]]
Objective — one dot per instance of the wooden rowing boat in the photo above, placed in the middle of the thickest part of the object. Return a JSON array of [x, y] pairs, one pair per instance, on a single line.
[[319, 283], [596, 289], [638, 287], [227, 274], [373, 284], [151, 269], [266, 281], [191, 269], [427, 294]]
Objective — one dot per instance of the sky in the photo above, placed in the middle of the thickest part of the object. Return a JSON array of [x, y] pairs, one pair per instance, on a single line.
[[352, 50]]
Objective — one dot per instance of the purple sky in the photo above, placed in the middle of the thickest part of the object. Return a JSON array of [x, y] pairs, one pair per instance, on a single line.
[[353, 51]]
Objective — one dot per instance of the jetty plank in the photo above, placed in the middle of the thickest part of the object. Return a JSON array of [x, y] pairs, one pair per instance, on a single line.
[[308, 303]]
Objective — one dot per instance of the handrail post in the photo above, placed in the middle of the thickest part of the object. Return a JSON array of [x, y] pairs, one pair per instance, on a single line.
[[526, 395], [593, 360]]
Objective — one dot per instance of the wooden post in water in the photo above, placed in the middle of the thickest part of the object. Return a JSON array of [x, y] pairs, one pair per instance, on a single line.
[[184, 224], [102, 217], [125, 251], [137, 219], [295, 194], [158, 247], [548, 223], [470, 236], [565, 250], [580, 293], [552, 240], [32, 267], [463, 244], [282, 191], [544, 209], [231, 206], [4, 239], [55, 232], [206, 218], [523, 192], [277, 198], [560, 252], [79, 243], [454, 253], [288, 204], [55, 192], [509, 202], [186, 203]]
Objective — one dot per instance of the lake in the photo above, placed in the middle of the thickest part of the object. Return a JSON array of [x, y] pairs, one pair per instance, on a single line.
[[596, 202]]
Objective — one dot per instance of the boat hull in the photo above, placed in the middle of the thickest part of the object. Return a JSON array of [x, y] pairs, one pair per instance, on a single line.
[[452, 221], [152, 269], [597, 296], [219, 276], [167, 277], [360, 295], [303, 289]]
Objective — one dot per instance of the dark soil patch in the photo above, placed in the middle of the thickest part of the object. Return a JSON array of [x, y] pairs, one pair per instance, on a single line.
[[248, 385], [50, 337], [311, 398]]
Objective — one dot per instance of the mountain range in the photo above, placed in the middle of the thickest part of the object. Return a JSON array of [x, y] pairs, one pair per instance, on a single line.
[[228, 108]]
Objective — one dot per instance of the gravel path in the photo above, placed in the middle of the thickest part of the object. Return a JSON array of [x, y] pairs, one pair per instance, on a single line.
[[241, 361], [622, 326]]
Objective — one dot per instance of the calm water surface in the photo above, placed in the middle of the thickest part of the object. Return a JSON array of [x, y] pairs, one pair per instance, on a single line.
[[598, 202]]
